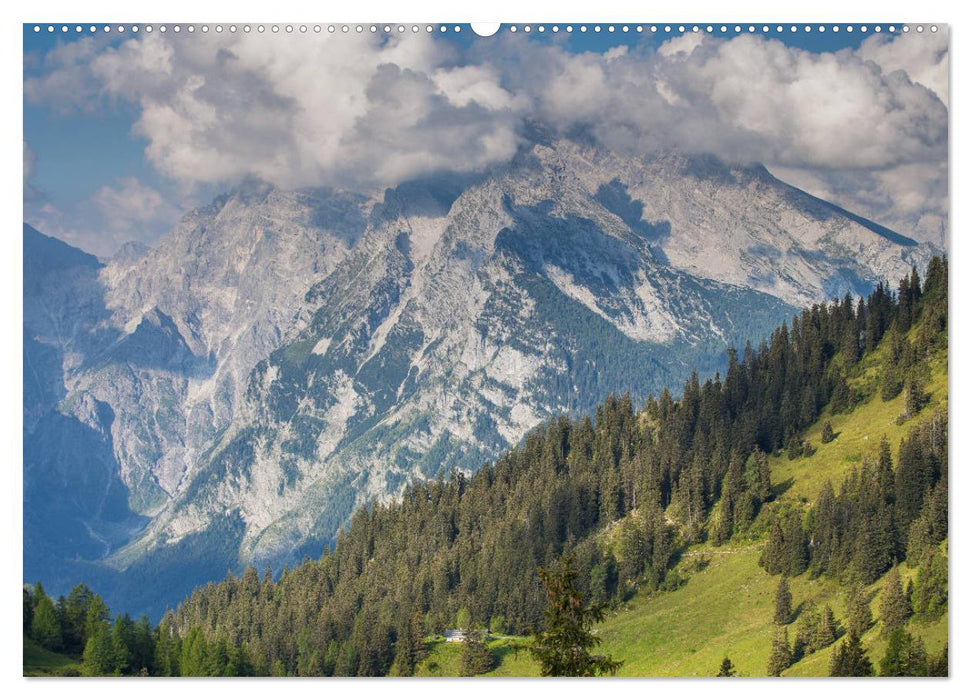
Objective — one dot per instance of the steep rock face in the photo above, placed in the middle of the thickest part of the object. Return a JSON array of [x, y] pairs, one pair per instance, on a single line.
[[75, 503], [199, 311], [283, 356], [740, 225]]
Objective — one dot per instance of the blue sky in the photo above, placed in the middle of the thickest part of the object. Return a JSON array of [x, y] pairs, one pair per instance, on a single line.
[[96, 143]]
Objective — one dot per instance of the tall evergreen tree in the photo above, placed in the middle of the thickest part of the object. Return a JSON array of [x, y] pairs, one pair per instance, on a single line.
[[45, 627], [783, 603], [474, 657], [100, 655], [826, 630], [727, 669], [859, 618], [563, 648], [850, 659], [905, 655], [894, 606], [931, 590], [781, 656]]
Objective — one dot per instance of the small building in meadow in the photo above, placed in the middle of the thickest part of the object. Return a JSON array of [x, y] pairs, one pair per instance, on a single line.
[[454, 635]]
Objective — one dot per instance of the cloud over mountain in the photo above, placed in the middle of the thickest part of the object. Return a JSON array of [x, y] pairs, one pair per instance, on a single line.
[[866, 126]]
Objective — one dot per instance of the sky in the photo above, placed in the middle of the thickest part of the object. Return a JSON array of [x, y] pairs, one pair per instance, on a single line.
[[124, 132]]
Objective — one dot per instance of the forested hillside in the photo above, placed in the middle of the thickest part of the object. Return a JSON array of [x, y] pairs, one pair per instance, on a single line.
[[629, 492]]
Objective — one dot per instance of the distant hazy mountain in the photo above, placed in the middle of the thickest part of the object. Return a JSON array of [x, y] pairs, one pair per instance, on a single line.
[[229, 396]]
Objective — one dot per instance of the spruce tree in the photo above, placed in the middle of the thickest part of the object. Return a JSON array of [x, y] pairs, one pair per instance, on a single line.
[[806, 629], [905, 656], [828, 434], [100, 656], [850, 659], [781, 657], [796, 547], [894, 607], [783, 603], [727, 669], [826, 630], [859, 616], [931, 590], [773, 558], [563, 648], [914, 396], [45, 627], [840, 401], [474, 657]]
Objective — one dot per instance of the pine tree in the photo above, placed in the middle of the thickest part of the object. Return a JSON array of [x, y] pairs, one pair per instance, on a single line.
[[828, 434], [783, 603], [781, 657], [850, 659], [894, 607], [563, 649]]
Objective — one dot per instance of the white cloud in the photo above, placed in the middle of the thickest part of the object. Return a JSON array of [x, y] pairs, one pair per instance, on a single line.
[[868, 126], [116, 214], [923, 57], [132, 206]]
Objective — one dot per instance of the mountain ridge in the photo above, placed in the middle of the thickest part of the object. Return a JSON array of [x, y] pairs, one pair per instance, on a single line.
[[332, 347]]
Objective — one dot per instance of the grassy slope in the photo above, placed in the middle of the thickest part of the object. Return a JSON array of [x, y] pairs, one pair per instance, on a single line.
[[676, 634], [443, 658], [38, 661]]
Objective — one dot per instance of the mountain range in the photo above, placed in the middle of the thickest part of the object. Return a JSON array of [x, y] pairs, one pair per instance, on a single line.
[[229, 396]]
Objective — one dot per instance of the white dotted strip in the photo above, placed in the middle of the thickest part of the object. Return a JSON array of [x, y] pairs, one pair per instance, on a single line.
[[429, 28], [720, 29], [245, 28]]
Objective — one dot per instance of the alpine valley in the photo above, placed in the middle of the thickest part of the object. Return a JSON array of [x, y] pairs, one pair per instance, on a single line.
[[229, 397]]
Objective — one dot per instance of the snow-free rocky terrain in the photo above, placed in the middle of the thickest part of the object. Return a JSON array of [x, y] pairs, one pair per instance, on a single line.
[[230, 396]]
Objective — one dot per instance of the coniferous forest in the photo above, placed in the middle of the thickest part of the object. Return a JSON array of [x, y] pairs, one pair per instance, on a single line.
[[620, 495]]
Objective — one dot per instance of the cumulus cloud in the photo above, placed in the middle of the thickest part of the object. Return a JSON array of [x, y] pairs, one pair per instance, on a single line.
[[866, 126], [298, 110], [923, 58]]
